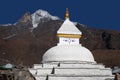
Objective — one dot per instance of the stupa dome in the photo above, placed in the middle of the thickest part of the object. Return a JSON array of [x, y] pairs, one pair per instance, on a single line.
[[68, 53]]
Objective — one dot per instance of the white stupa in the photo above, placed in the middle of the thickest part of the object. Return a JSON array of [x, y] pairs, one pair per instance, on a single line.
[[69, 60]]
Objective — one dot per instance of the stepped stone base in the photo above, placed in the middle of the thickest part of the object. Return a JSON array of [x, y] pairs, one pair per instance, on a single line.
[[71, 71], [79, 77]]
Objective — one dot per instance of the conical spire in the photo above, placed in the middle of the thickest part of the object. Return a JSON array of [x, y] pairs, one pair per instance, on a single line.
[[67, 14], [68, 29]]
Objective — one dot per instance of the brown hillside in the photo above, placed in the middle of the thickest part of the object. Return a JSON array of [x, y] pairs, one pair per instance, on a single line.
[[107, 57]]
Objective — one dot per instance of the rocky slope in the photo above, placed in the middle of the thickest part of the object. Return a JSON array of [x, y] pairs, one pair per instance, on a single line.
[[28, 39]]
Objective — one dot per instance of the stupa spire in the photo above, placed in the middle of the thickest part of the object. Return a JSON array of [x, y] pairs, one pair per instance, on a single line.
[[67, 14]]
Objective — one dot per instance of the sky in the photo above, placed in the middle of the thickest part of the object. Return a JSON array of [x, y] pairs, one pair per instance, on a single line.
[[103, 14]]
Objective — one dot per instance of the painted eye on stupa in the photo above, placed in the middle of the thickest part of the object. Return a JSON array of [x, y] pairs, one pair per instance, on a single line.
[[65, 40], [73, 40]]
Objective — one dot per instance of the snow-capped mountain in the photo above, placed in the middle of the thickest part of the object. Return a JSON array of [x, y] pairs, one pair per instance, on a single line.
[[41, 16]]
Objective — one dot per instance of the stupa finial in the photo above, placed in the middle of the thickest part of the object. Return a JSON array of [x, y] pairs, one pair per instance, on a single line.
[[67, 14]]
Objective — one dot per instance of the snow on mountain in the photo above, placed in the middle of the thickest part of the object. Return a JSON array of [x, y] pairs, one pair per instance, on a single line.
[[41, 16], [6, 24]]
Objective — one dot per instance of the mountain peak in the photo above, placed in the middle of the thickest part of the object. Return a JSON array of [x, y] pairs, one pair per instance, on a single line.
[[26, 17], [42, 16]]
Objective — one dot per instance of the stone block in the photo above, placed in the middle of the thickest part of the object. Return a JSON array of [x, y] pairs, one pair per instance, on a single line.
[[78, 65], [36, 66], [44, 71], [50, 65], [78, 77], [106, 71], [77, 71], [32, 71], [40, 77]]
